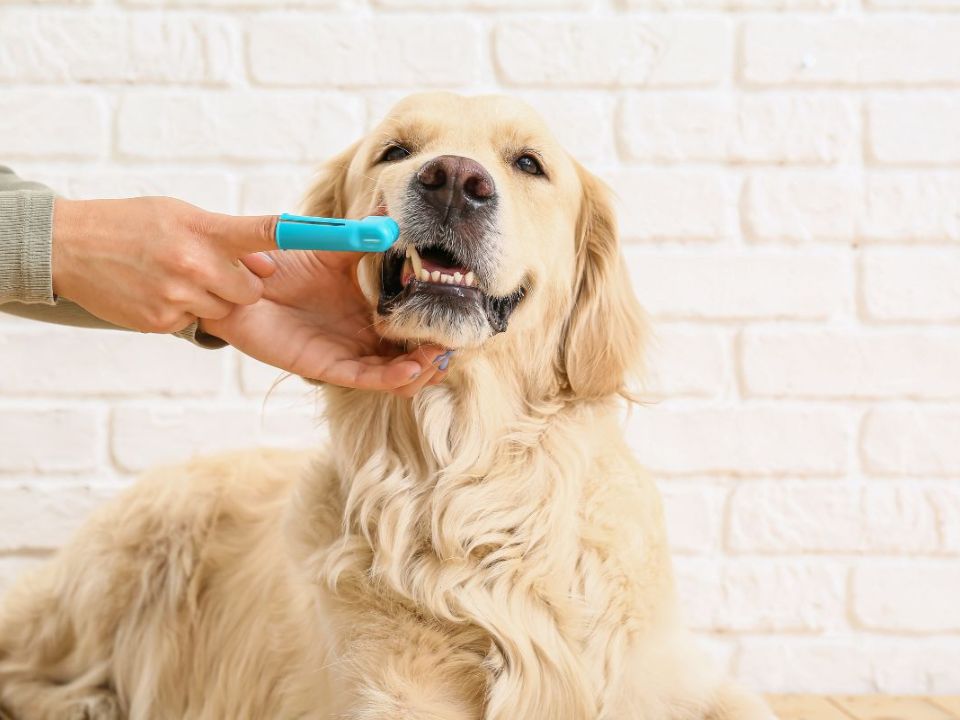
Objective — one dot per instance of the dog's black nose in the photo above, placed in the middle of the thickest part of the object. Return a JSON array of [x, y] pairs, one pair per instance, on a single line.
[[455, 185]]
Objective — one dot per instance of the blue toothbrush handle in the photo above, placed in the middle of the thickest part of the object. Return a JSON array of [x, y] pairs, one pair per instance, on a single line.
[[376, 233]]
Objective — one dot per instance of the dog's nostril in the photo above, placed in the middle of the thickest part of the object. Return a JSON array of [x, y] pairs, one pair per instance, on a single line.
[[455, 182], [479, 186], [432, 175]]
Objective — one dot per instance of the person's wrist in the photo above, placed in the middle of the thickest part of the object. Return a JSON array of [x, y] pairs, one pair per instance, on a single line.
[[64, 238]]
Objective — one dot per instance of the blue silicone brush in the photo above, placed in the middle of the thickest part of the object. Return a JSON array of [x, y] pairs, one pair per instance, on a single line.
[[376, 233]]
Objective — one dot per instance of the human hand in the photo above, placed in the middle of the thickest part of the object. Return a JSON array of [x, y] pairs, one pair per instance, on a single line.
[[313, 320], [156, 264]]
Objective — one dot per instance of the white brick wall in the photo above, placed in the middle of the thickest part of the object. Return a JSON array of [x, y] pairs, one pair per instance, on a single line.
[[789, 181]]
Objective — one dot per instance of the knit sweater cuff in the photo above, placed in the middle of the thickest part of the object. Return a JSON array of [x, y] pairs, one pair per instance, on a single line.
[[26, 237], [194, 334]]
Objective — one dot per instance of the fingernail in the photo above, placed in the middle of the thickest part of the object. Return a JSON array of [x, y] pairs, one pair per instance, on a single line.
[[415, 375], [443, 364], [266, 257], [442, 358]]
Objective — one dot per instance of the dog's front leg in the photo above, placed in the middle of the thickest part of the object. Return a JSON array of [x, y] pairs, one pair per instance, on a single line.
[[401, 668]]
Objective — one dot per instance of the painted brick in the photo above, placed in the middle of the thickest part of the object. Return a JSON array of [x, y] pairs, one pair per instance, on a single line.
[[721, 127], [846, 664], [46, 123], [914, 4], [801, 206], [777, 596], [851, 51], [905, 206], [912, 441], [230, 4], [946, 503], [916, 285], [386, 52], [274, 191], [111, 46], [738, 285], [734, 4], [907, 596], [687, 361], [693, 514], [105, 362], [850, 364], [612, 52], [922, 129], [742, 441], [210, 190], [142, 436], [481, 4], [43, 517], [260, 380], [52, 439], [828, 517], [236, 125], [659, 205]]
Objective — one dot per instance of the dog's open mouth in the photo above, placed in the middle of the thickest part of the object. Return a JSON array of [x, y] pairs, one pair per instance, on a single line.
[[435, 266], [432, 274]]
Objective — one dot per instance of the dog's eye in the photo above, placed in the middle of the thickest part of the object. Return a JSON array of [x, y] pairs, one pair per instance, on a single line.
[[394, 153], [529, 164]]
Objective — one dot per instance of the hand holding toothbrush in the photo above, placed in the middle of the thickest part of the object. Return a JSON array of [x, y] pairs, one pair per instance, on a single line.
[[158, 264]]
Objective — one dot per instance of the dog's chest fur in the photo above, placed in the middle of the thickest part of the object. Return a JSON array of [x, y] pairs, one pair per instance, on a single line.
[[487, 559]]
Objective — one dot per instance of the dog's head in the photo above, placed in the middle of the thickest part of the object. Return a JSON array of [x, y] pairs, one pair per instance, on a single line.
[[503, 235]]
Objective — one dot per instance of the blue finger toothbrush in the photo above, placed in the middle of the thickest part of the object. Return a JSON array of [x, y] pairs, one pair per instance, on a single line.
[[376, 233]]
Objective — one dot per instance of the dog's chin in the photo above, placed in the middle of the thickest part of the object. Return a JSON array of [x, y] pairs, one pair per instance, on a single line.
[[427, 315], [450, 314]]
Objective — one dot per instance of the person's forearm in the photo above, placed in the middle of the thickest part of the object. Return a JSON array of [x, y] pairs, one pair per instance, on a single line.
[[26, 230], [26, 270]]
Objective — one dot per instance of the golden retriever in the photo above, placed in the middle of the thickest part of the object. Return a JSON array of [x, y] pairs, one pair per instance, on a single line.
[[489, 549]]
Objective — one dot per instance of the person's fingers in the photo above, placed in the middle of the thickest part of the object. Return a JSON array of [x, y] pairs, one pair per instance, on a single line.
[[416, 385], [236, 284], [260, 264], [426, 355], [211, 307], [364, 375], [433, 360], [243, 234]]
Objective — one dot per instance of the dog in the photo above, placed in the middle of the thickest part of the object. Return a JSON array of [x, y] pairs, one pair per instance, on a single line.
[[489, 549]]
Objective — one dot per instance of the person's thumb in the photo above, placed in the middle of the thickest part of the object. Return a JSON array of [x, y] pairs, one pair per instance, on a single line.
[[243, 234]]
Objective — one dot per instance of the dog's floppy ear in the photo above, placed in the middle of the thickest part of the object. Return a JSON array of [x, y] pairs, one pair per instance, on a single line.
[[326, 196], [602, 347]]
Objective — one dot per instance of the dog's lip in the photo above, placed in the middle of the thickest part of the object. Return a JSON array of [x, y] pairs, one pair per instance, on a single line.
[[441, 290]]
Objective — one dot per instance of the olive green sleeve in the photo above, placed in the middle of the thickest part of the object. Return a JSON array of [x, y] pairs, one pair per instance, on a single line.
[[26, 230], [26, 271]]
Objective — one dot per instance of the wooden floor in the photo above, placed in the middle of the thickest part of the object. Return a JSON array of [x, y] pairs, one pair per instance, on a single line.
[[865, 707]]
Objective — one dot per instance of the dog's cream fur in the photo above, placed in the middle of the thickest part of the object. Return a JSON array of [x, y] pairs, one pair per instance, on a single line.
[[487, 550]]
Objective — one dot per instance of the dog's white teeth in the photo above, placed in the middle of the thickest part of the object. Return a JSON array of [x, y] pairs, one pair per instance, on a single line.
[[415, 269], [415, 260]]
